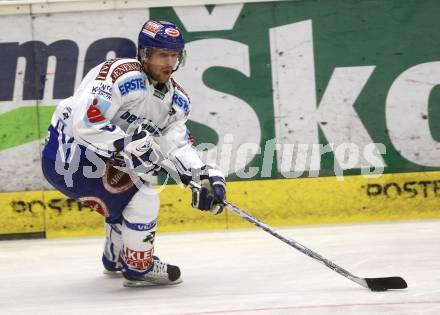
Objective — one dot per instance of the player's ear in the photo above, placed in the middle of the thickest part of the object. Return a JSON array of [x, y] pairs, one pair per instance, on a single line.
[[142, 54], [139, 54]]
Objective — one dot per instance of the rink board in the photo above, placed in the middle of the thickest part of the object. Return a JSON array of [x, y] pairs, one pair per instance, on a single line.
[[285, 72], [282, 202]]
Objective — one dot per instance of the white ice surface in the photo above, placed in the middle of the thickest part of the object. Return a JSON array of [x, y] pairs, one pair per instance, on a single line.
[[235, 272]]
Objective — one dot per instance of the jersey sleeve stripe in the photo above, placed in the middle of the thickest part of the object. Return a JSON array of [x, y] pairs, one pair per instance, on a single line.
[[102, 75]]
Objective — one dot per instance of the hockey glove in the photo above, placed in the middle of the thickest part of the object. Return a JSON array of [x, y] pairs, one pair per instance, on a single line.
[[212, 192], [141, 153]]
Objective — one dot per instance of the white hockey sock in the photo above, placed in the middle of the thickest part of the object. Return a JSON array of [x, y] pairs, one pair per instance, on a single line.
[[138, 232]]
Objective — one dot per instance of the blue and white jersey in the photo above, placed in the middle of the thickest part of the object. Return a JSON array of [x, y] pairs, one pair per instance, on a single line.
[[111, 101]]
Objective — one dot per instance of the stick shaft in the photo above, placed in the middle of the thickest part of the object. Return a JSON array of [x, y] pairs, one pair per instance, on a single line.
[[295, 244]]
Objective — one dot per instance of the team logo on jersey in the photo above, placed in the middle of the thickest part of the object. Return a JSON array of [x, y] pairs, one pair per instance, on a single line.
[[132, 84], [96, 109], [172, 32]]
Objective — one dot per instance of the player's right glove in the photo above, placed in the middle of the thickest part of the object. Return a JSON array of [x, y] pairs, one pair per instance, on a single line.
[[212, 193], [140, 152]]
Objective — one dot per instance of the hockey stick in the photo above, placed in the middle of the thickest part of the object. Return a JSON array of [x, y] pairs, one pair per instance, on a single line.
[[374, 284]]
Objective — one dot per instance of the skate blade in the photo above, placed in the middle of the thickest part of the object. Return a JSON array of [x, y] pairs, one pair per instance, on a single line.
[[112, 274], [137, 284]]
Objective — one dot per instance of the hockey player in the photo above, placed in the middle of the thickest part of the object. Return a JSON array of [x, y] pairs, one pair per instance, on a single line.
[[129, 108]]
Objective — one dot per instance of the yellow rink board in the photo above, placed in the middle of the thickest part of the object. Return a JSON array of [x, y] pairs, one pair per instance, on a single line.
[[279, 202]]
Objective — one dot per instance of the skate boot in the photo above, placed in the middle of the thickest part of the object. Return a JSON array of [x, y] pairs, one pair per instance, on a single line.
[[111, 268], [160, 273], [112, 248]]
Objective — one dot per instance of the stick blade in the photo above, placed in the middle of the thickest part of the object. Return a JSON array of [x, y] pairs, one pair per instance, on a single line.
[[388, 283]]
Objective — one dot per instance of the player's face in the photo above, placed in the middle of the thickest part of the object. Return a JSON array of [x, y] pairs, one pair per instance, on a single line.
[[160, 64]]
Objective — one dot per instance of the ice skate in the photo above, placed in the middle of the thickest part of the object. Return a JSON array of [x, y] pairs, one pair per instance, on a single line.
[[161, 274], [112, 269]]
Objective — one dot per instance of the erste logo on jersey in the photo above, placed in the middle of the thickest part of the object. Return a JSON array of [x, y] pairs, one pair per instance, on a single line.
[[172, 32], [181, 102], [132, 84]]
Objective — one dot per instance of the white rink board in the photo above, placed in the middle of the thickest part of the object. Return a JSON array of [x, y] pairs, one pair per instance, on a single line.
[[239, 272]]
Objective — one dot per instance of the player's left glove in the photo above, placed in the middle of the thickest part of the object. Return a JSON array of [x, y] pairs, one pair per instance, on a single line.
[[212, 193], [140, 152]]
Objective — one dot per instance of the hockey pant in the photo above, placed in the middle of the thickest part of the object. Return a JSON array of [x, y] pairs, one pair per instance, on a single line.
[[131, 216]]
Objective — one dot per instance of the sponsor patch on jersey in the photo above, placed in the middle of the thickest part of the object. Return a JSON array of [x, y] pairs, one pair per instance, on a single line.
[[95, 204], [181, 102], [129, 117], [96, 110], [151, 127], [159, 94], [151, 28], [180, 88], [172, 32], [138, 259], [132, 84], [105, 69], [123, 68], [67, 111], [103, 89]]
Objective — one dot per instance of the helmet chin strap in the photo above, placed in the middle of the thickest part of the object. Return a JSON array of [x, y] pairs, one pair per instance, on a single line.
[[181, 60], [177, 68]]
